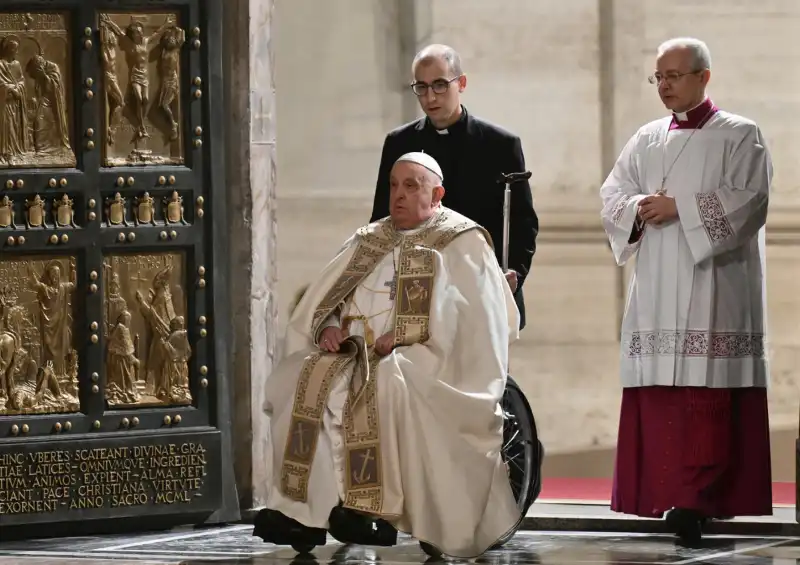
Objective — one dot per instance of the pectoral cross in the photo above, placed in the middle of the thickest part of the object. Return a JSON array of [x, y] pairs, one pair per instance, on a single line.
[[392, 286]]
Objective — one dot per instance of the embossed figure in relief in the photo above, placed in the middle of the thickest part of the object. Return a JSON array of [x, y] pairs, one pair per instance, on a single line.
[[174, 206], [116, 211], [159, 311], [144, 209], [171, 43], [39, 390], [6, 212], [55, 316], [115, 101], [115, 302], [34, 212], [122, 366], [15, 141], [175, 368], [63, 214], [10, 339], [49, 110], [72, 373], [137, 47]]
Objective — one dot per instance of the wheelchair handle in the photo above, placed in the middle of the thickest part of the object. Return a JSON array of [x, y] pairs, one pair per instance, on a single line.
[[508, 179]]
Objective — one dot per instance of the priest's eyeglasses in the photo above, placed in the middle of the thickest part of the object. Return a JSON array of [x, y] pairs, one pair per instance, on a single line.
[[439, 86], [669, 78]]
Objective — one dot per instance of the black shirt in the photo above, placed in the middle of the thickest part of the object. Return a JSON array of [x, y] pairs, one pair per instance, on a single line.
[[473, 153]]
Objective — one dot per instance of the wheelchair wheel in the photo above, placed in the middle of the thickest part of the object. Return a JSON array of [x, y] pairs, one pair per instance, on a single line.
[[522, 452]]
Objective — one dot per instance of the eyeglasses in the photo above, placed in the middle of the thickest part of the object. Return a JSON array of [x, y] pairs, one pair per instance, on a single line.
[[670, 78], [439, 86]]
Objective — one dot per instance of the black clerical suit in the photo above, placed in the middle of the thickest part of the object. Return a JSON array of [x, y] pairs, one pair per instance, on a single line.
[[472, 154]]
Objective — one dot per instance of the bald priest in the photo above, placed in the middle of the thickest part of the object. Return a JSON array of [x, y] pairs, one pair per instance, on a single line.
[[384, 413]]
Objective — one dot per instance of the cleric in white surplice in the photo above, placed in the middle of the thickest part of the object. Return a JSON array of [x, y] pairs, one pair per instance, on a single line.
[[688, 199]]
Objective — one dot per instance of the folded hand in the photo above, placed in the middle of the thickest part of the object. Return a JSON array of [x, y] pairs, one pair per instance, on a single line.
[[658, 209], [331, 338], [384, 344]]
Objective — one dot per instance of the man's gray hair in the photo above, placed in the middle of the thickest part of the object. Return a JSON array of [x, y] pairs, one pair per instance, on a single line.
[[701, 55], [439, 51]]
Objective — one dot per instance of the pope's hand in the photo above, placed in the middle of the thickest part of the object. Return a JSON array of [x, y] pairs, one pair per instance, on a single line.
[[511, 277], [331, 338], [658, 209], [384, 344]]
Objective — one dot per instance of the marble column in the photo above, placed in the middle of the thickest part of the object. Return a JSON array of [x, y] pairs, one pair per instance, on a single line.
[[250, 158]]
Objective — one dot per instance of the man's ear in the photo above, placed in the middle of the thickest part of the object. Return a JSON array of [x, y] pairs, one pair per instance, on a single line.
[[438, 194]]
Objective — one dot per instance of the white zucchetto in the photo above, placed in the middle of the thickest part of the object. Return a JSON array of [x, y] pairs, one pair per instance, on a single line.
[[425, 160]]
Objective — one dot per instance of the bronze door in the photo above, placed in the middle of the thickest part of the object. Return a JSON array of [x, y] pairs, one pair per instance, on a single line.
[[112, 394]]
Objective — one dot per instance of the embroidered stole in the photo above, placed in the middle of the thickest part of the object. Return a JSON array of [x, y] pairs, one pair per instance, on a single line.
[[415, 277]]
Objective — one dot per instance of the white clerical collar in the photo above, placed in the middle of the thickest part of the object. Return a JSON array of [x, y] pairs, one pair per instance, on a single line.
[[443, 131], [684, 116]]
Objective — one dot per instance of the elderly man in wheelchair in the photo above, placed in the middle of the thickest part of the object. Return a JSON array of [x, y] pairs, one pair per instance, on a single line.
[[391, 409]]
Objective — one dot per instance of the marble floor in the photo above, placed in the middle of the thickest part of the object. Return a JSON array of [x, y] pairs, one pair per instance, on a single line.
[[234, 545]]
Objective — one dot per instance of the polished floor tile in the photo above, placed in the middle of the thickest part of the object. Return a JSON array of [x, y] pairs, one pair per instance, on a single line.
[[234, 545]]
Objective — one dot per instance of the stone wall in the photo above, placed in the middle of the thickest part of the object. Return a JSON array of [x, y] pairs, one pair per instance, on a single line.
[[570, 79]]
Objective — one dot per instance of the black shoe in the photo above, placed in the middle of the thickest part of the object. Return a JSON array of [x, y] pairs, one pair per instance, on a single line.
[[274, 527], [686, 524], [433, 553], [349, 526]]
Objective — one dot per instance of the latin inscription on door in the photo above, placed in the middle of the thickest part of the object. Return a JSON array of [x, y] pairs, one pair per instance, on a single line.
[[76, 475]]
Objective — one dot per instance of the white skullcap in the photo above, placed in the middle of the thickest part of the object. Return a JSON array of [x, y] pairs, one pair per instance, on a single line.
[[425, 160]]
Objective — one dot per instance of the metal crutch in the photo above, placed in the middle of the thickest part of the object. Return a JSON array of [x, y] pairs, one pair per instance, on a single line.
[[508, 180]]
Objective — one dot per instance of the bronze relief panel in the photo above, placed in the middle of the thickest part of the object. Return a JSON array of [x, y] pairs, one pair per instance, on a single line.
[[147, 346], [35, 73], [38, 361], [140, 58]]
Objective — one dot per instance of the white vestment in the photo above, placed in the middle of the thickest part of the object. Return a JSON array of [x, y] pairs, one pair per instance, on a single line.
[[696, 311], [438, 402]]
